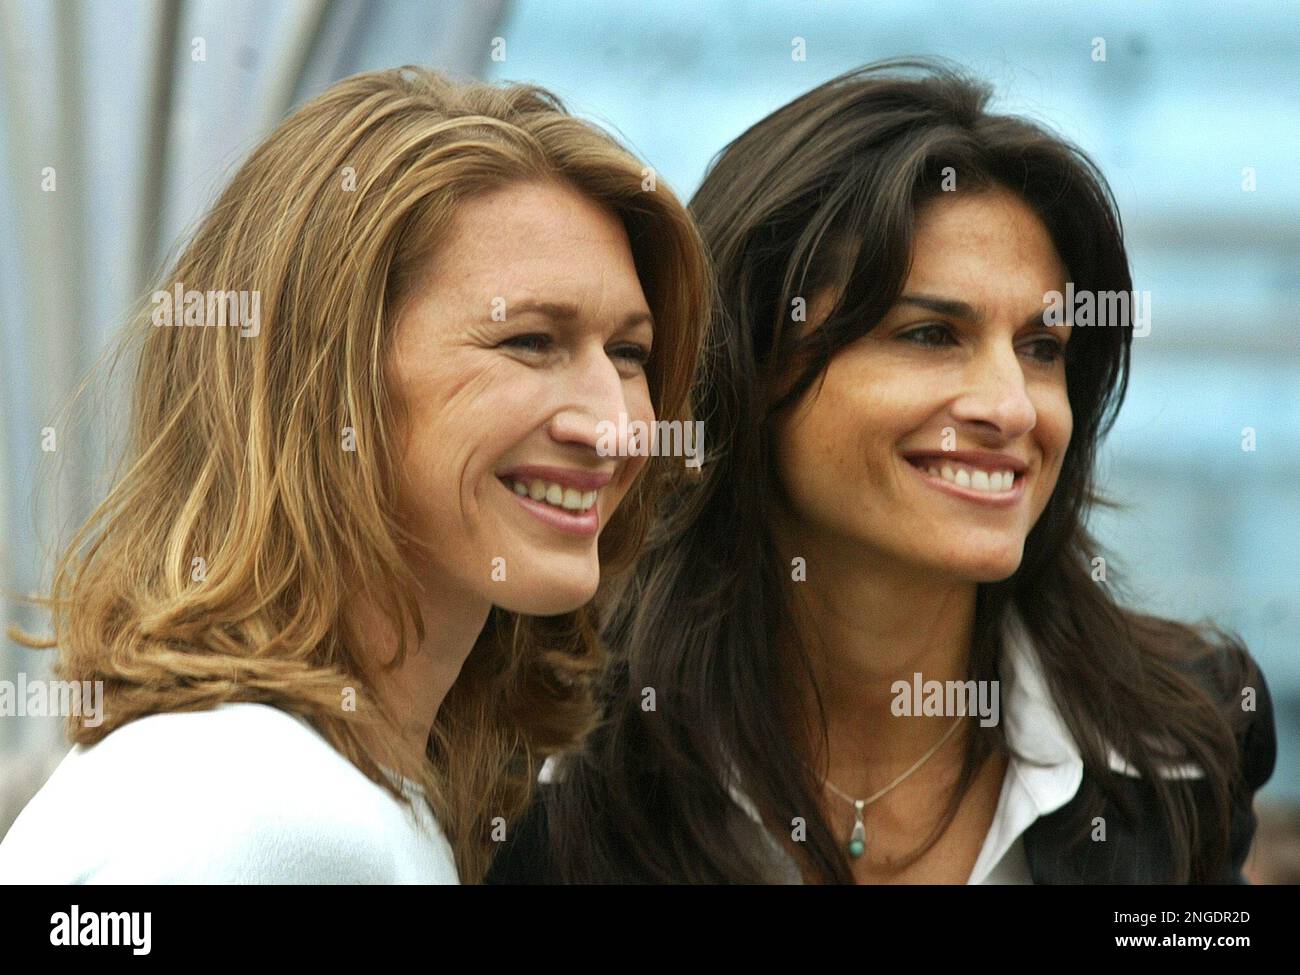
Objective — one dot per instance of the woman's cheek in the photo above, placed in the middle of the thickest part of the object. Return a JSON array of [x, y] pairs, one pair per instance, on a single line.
[[639, 408], [1060, 421], [637, 396]]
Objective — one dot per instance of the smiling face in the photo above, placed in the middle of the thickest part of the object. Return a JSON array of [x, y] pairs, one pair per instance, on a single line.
[[934, 441], [531, 329]]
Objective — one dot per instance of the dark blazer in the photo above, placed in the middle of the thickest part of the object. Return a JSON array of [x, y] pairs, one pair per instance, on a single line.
[[1136, 851]]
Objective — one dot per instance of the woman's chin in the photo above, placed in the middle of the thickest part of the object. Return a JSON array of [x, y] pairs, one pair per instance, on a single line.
[[980, 567], [555, 599], [991, 569]]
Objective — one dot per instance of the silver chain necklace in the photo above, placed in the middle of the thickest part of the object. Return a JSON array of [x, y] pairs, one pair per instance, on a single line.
[[858, 838]]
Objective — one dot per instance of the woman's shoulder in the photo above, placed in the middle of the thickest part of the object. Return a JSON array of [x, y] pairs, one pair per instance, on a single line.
[[1229, 674], [231, 754], [241, 793], [1233, 679], [1216, 661]]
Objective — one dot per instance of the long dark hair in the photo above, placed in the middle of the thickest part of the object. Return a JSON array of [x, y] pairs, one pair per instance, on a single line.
[[822, 194]]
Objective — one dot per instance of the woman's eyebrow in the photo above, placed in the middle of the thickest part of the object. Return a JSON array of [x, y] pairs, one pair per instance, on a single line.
[[941, 306], [563, 311], [560, 311], [956, 309]]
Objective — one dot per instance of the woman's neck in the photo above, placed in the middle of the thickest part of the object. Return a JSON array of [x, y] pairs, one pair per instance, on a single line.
[[866, 623], [414, 692]]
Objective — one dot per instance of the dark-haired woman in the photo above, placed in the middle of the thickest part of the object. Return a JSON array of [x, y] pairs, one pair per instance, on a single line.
[[905, 449]]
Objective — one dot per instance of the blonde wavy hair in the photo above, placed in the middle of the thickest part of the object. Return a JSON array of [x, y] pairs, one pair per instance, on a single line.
[[234, 452]]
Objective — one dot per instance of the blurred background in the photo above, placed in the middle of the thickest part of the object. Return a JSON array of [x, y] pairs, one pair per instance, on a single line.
[[120, 120]]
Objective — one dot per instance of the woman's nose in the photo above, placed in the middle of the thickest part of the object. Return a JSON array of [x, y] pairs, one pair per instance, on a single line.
[[594, 396], [996, 394]]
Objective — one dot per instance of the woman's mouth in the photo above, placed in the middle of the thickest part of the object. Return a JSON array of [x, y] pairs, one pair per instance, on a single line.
[[990, 485], [556, 495], [561, 506]]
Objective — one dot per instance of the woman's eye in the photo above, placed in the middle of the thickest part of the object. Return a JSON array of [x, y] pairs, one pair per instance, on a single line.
[[1046, 350], [935, 335], [531, 342], [638, 354]]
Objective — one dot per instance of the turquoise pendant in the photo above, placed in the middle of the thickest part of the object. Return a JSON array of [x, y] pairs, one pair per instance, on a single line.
[[858, 838]]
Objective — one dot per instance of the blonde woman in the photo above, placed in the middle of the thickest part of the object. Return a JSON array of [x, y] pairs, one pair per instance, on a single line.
[[340, 598]]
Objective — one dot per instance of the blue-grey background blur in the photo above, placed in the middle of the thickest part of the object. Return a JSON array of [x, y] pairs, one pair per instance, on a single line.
[[143, 109]]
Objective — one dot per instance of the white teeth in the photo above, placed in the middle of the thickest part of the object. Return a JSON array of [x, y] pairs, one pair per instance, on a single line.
[[571, 499], [975, 478]]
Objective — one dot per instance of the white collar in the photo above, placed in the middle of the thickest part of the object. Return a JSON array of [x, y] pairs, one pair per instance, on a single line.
[[1044, 769], [1034, 725]]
